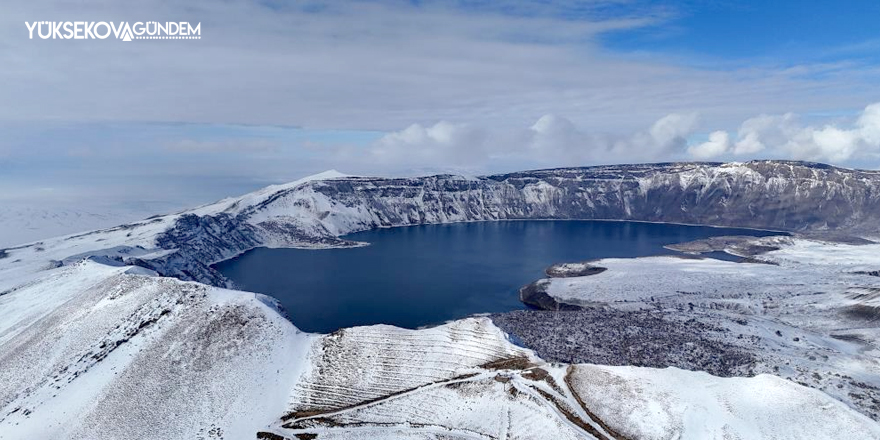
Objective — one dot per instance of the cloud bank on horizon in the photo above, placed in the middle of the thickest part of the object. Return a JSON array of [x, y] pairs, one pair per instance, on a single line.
[[277, 90], [556, 141], [785, 136]]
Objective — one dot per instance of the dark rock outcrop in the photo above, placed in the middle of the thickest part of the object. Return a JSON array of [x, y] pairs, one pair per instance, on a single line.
[[535, 295], [568, 270], [646, 338]]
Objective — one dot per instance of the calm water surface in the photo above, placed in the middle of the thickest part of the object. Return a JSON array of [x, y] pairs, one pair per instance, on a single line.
[[422, 275]]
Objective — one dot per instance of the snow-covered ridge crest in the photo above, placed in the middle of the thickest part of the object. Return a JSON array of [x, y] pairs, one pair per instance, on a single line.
[[97, 350], [787, 196], [91, 351], [233, 205], [771, 195], [314, 212]]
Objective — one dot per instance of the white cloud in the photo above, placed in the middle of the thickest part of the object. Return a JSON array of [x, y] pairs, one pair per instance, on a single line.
[[554, 140], [382, 65], [549, 136], [756, 132], [557, 138], [443, 144], [671, 130], [869, 124], [784, 136], [718, 144], [550, 141]]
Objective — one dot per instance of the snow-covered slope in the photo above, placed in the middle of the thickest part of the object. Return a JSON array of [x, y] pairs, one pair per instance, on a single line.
[[652, 404], [809, 313], [95, 351], [315, 211], [92, 351], [24, 223], [465, 381], [95, 344]]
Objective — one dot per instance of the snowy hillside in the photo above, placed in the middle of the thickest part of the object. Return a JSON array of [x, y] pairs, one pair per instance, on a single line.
[[430, 389], [25, 224], [91, 351], [810, 316], [104, 334], [315, 211], [768, 195]]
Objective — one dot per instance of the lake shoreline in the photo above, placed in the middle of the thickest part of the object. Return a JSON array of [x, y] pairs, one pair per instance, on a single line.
[[416, 276]]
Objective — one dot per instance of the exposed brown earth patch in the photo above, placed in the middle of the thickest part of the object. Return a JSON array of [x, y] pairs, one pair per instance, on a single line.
[[513, 363], [262, 435]]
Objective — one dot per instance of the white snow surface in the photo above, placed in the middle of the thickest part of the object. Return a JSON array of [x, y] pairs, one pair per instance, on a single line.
[[652, 404], [92, 349], [91, 352], [137, 238], [234, 205], [24, 223], [828, 274], [810, 316]]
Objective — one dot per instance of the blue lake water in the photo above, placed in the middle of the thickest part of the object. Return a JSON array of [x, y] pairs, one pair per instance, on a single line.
[[422, 275]]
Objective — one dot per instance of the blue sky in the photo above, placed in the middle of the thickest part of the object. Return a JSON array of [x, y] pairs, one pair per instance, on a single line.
[[782, 31], [276, 90]]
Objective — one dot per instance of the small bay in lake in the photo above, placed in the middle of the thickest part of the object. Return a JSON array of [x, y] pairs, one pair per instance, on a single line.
[[422, 275]]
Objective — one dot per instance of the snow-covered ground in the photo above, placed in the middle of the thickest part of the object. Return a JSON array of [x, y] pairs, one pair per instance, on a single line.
[[651, 404], [21, 224], [313, 212], [91, 351], [811, 316], [95, 345], [382, 382]]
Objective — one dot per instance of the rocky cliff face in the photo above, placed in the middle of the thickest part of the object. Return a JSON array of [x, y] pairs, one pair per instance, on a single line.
[[776, 195], [76, 332], [771, 195]]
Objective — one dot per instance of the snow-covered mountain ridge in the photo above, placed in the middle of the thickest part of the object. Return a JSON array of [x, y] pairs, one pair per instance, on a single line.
[[786, 196], [95, 351], [95, 345], [314, 212]]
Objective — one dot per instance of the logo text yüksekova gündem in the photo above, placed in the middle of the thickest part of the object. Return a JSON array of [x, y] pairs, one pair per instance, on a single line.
[[101, 30]]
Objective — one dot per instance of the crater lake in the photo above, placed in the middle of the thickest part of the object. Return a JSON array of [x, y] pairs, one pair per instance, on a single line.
[[423, 275]]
